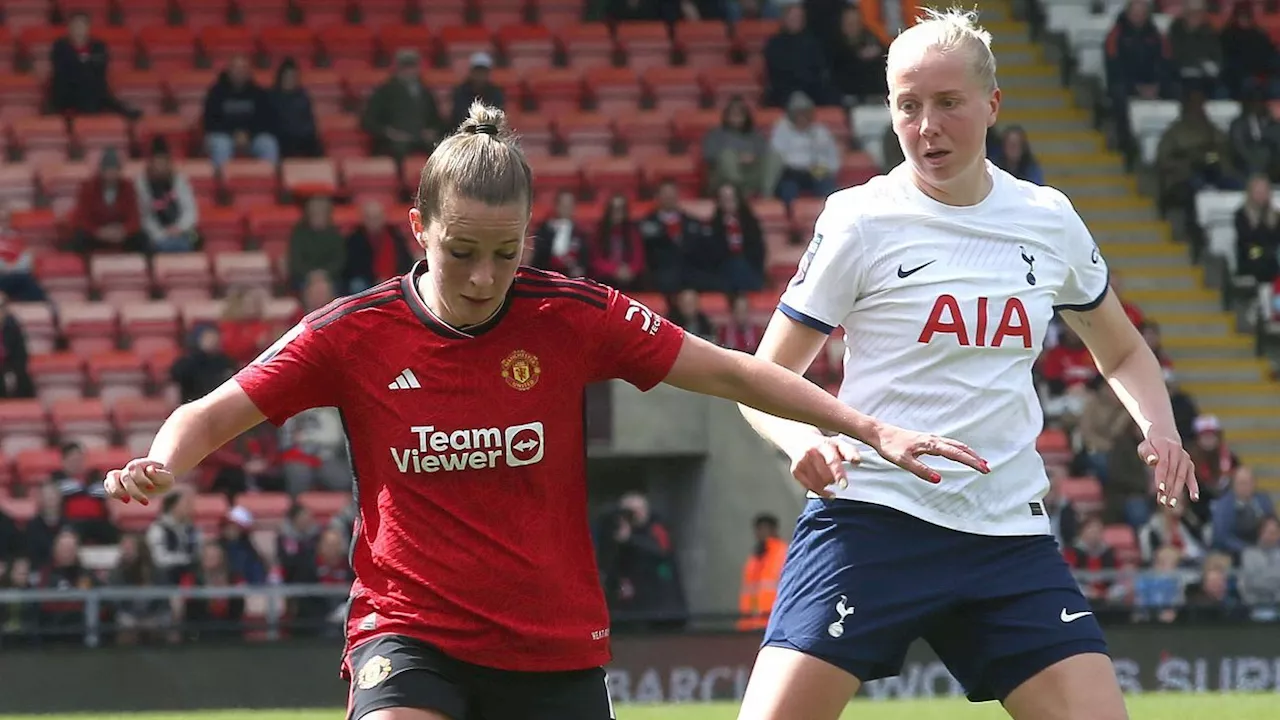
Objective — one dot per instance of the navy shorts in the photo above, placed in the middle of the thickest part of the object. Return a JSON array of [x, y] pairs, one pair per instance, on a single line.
[[862, 582]]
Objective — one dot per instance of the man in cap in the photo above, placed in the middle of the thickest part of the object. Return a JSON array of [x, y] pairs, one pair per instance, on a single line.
[[401, 116], [476, 86]]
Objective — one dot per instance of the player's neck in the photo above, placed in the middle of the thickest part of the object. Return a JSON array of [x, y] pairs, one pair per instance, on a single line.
[[966, 190]]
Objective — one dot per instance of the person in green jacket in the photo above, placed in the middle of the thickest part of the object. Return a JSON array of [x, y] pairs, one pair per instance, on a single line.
[[316, 244], [401, 116]]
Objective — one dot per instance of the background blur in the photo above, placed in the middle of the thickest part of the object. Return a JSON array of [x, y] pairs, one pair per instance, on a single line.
[[182, 180]]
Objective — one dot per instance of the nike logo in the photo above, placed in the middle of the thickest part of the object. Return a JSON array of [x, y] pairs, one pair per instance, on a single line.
[[908, 273], [1067, 617]]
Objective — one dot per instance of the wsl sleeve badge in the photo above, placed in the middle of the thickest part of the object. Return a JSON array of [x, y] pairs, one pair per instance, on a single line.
[[807, 259]]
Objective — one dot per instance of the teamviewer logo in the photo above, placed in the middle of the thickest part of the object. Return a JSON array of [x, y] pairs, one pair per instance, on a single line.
[[524, 444]]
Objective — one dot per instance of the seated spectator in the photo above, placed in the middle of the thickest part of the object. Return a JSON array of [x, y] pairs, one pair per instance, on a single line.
[[736, 10], [324, 615], [740, 331], [238, 117], [1248, 55], [344, 522], [739, 154], [1137, 62], [1185, 411], [560, 244], [678, 248], [638, 566], [242, 556], [736, 233], [1255, 138], [1155, 340], [204, 366], [45, 526], [317, 291], [687, 313], [244, 329], [173, 539], [1196, 48], [313, 452], [401, 116], [1214, 461], [296, 544], [1069, 371], [84, 500], [1238, 515], [1193, 154], [1258, 232], [19, 622], [1091, 553], [1171, 527], [11, 545], [1127, 493], [79, 85], [316, 243], [248, 463], [106, 216], [1214, 597], [1016, 157], [476, 86], [1260, 569], [1103, 419], [1064, 519], [858, 61], [376, 250], [212, 618], [166, 203], [138, 620], [795, 63], [17, 264], [295, 120], [63, 619], [1162, 589], [617, 256], [810, 155], [15, 377], [617, 11]]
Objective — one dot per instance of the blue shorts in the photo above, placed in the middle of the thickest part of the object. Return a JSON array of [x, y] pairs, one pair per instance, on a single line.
[[863, 582]]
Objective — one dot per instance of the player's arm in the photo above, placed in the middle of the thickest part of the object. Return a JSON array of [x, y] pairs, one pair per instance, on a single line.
[[791, 345]]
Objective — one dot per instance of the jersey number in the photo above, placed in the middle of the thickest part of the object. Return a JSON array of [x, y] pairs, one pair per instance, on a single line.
[[646, 317], [946, 319]]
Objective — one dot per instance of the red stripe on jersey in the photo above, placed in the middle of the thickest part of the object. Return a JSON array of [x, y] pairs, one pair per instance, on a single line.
[[560, 293], [559, 281], [315, 315]]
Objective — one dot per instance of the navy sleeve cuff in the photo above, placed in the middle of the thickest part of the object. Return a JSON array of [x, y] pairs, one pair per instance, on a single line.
[[1106, 288], [805, 320]]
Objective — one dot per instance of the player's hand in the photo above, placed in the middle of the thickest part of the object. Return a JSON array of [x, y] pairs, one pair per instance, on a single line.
[[821, 465], [1174, 470], [904, 448], [140, 479]]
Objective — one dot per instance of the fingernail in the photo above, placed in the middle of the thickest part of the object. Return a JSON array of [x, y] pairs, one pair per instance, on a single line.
[[125, 499], [935, 477], [985, 467], [1195, 496], [1173, 502], [145, 501], [1161, 487]]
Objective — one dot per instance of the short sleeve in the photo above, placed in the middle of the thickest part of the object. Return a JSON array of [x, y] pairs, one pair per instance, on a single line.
[[1088, 277], [829, 278], [292, 375], [634, 343]]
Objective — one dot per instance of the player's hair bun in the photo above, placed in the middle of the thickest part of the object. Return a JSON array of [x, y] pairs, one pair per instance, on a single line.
[[485, 120]]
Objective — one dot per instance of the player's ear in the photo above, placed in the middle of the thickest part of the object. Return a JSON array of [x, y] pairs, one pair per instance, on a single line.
[[995, 108], [415, 225]]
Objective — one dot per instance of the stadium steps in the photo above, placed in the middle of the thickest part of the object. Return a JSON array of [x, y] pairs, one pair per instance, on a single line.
[[1211, 359]]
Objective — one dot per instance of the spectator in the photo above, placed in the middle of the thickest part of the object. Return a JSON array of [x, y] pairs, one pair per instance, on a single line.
[[84, 500], [618, 255], [204, 366], [858, 61], [172, 539], [1260, 568], [295, 120], [632, 10], [476, 86], [316, 293], [238, 117], [1184, 407], [1069, 371], [1238, 516], [1137, 58], [243, 557], [64, 619], [794, 62], [325, 614], [1213, 597], [1064, 520], [218, 617], [1092, 554], [641, 576], [1162, 589], [737, 235], [1155, 340], [1214, 461], [17, 264], [1102, 420], [19, 622], [249, 462], [736, 10], [314, 452], [1258, 232], [45, 525], [106, 214], [560, 244], [138, 620], [15, 377], [244, 328], [740, 331], [810, 156], [1171, 527], [79, 83], [760, 574], [1016, 157], [1127, 494], [738, 153], [678, 247], [687, 313], [166, 203], [1193, 154], [316, 243], [344, 522], [401, 116], [1255, 137], [1196, 49], [296, 544], [1248, 55], [11, 545], [376, 250]]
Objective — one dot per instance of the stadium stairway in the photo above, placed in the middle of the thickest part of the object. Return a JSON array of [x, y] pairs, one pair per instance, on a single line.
[[1212, 360]]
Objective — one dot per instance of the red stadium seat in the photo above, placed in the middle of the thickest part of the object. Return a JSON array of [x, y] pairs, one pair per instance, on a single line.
[[36, 42], [20, 509], [179, 275], [303, 177], [1085, 494], [613, 91], [57, 375], [223, 228], [18, 185], [370, 175], [328, 92], [187, 88], [674, 88], [394, 37], [690, 127], [1124, 541], [527, 46], [772, 215], [343, 137], [323, 13], [121, 277], [210, 510], [62, 180], [804, 213], [379, 13], [645, 44], [585, 134], [121, 42], [459, 42], [700, 208], [219, 43], [39, 227], [287, 41], [250, 182], [142, 90], [83, 421], [283, 310], [724, 82], [119, 374], [324, 505], [557, 14], [243, 268], [36, 466], [553, 174], [134, 517], [63, 276], [685, 170], [262, 14], [272, 224], [645, 132], [168, 48], [750, 36], [94, 133], [500, 13], [534, 130], [21, 95], [89, 327], [442, 13], [24, 425], [556, 90], [99, 11], [347, 44], [604, 176], [586, 45], [137, 420], [8, 47], [703, 44], [42, 138], [152, 324], [269, 508]]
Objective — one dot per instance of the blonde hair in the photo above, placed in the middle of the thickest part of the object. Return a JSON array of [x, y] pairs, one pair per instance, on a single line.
[[481, 161], [947, 31]]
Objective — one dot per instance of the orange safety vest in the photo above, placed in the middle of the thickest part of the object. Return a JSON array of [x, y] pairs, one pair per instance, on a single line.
[[873, 17], [760, 585]]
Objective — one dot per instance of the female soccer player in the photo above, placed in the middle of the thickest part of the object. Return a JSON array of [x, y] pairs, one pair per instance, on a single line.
[[944, 274], [461, 385]]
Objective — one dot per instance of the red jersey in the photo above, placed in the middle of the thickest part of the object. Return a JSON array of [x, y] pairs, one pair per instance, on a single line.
[[468, 448]]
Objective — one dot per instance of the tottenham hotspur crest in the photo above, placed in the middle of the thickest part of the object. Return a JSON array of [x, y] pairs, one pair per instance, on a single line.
[[836, 629]]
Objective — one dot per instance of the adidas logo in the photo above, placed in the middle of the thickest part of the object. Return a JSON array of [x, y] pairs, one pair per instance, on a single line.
[[404, 381]]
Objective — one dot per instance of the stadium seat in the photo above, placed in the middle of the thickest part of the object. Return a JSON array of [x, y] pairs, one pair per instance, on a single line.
[[57, 375], [370, 175], [223, 228], [395, 37], [179, 275], [1084, 493], [645, 132], [674, 88], [21, 510], [36, 466], [772, 214], [724, 82], [95, 133], [159, 363], [8, 47], [270, 225], [35, 42], [604, 176], [584, 135], [690, 127], [613, 91], [168, 48], [644, 44], [121, 277], [83, 420], [219, 43], [703, 44], [137, 419], [534, 129], [283, 310], [61, 180], [20, 95], [118, 374], [42, 138], [499, 13], [133, 517], [143, 90], [304, 177], [700, 208], [210, 510], [526, 46], [347, 45], [557, 14], [37, 226], [250, 182], [88, 327], [63, 276], [152, 325], [269, 508], [684, 169], [187, 88], [196, 312], [1124, 541], [324, 505], [18, 185], [555, 90], [24, 425], [804, 214], [1054, 446], [290, 41], [750, 36], [586, 45], [458, 42], [243, 268]]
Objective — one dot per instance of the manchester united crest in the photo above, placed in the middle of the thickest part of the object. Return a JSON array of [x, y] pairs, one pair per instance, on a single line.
[[373, 672], [521, 370]]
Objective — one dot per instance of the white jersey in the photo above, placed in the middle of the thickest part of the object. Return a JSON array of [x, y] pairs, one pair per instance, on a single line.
[[945, 310]]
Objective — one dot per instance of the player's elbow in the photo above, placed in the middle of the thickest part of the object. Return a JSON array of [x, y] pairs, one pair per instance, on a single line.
[[710, 370]]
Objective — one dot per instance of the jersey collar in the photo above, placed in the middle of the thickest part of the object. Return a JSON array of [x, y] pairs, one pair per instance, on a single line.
[[409, 289]]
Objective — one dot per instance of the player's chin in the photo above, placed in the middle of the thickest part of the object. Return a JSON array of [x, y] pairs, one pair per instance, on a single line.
[[475, 310]]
